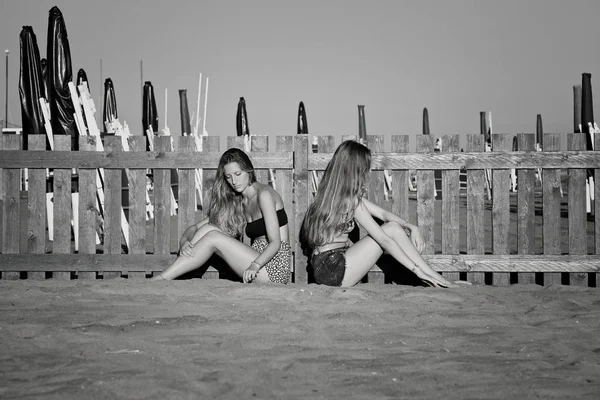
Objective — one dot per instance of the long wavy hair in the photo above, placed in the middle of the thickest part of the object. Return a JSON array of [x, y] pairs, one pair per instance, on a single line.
[[226, 210], [338, 194]]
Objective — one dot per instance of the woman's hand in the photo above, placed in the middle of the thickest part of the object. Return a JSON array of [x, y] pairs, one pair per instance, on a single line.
[[416, 238], [187, 249], [250, 273]]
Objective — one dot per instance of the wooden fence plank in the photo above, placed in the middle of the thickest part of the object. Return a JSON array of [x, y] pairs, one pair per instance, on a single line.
[[400, 180], [210, 144], [186, 212], [88, 208], [260, 143], [426, 196], [551, 199], [526, 207], [376, 188], [113, 203], [162, 201], [12, 204], [450, 200], [285, 187], [137, 201], [500, 207], [475, 208], [36, 198], [301, 194], [62, 206], [577, 209]]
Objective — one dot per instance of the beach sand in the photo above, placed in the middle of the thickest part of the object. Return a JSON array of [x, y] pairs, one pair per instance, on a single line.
[[217, 339]]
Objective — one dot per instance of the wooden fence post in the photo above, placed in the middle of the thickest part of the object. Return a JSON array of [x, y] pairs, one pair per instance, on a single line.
[[88, 210], [12, 204], [526, 207], [476, 188], [426, 196], [551, 206], [301, 151], [36, 198], [500, 208], [577, 208]]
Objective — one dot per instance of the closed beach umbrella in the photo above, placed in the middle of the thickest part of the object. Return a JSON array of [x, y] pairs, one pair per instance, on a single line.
[[184, 113], [149, 113], [31, 85], [302, 123], [577, 109], [483, 127], [587, 107], [539, 132], [425, 121], [362, 125], [82, 77], [109, 112], [59, 75], [241, 119]]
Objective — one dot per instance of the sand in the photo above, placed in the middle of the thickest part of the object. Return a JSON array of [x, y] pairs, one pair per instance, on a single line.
[[217, 339]]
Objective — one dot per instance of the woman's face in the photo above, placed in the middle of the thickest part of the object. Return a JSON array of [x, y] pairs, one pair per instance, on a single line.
[[236, 178]]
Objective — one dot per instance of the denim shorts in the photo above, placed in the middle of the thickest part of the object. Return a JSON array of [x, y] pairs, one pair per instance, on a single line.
[[329, 267]]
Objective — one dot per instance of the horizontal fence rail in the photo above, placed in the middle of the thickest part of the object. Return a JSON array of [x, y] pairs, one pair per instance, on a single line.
[[477, 225]]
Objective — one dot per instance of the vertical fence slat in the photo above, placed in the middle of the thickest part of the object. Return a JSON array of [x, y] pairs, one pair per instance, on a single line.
[[526, 207], [137, 205], [62, 206], [577, 209], [301, 151], [12, 204], [450, 200], [597, 210], [551, 198], [500, 208], [475, 208], [113, 202], [261, 143], [36, 198], [186, 212], [210, 144], [425, 196], [376, 194], [400, 180], [162, 201], [88, 211], [235, 142], [285, 187]]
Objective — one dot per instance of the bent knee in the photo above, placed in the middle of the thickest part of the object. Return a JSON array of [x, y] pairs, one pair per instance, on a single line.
[[392, 228]]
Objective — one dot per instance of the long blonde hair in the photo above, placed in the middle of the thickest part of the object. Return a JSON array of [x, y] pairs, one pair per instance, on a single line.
[[226, 210], [338, 194]]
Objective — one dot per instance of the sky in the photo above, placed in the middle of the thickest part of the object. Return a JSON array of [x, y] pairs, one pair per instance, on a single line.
[[515, 58]]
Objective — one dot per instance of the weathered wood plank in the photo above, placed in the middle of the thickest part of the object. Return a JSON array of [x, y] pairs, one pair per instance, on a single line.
[[88, 208], [113, 204], [137, 201], [186, 212], [260, 144], [301, 151], [526, 207], [500, 207], [210, 144], [285, 187], [400, 179], [577, 208], [376, 186], [149, 159], [551, 198], [12, 204], [62, 206], [440, 262], [36, 198], [426, 196], [162, 201], [475, 208]]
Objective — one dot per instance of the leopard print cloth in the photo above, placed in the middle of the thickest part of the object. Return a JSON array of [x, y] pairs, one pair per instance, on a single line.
[[279, 268]]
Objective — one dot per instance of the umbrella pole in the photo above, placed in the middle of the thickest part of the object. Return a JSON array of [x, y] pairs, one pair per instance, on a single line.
[[49, 204]]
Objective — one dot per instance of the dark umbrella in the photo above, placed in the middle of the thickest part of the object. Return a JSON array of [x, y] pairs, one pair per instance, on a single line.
[[31, 85], [362, 126], [82, 77], [59, 76], [302, 123], [587, 107], [483, 127], [425, 121], [539, 131], [241, 119], [109, 112], [149, 113], [184, 113], [577, 108]]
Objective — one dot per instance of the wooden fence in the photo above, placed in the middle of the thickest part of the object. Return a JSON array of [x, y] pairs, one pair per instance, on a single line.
[[539, 234]]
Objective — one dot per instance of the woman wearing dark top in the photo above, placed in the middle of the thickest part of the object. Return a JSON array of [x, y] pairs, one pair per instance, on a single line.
[[338, 206], [239, 204]]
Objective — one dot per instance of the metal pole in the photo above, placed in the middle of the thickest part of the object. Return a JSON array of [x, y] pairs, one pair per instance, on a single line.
[[6, 100]]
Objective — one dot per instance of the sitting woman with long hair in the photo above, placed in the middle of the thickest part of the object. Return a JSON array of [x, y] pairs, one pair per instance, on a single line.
[[239, 204], [338, 205]]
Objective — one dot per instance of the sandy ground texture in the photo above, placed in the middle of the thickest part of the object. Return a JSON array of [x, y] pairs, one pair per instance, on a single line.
[[217, 339]]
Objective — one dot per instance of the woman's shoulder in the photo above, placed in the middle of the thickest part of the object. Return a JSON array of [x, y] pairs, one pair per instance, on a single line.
[[266, 192]]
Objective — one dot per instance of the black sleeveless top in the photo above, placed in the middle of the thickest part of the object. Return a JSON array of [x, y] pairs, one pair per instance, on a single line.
[[258, 228]]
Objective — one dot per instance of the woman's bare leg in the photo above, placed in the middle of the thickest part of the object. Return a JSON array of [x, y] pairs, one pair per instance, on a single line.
[[235, 253], [363, 255]]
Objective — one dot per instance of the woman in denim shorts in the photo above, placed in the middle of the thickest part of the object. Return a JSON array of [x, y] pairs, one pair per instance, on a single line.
[[338, 206]]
